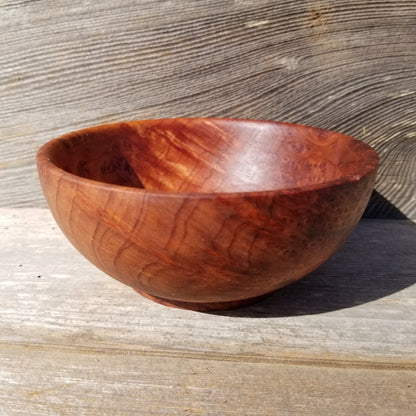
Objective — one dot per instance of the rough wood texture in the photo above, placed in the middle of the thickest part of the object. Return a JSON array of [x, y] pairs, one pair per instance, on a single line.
[[339, 342], [211, 212], [343, 65]]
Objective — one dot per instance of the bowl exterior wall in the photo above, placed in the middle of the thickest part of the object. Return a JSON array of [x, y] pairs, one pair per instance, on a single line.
[[204, 247]]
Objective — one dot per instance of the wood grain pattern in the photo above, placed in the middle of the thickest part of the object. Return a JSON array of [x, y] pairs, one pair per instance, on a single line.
[[343, 65], [63, 381], [206, 213], [340, 342]]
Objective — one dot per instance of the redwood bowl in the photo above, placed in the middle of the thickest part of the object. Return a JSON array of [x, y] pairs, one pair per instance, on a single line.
[[206, 214]]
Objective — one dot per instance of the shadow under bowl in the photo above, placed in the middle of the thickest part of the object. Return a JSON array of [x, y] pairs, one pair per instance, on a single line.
[[206, 214]]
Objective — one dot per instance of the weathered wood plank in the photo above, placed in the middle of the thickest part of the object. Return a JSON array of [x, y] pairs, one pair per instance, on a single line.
[[343, 65], [360, 306], [44, 381], [73, 340]]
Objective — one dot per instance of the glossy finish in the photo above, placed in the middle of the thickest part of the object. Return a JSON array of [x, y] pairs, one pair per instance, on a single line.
[[206, 213]]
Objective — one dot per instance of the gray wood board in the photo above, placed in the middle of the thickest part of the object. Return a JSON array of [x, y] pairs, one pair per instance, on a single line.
[[74, 341], [343, 65], [72, 382]]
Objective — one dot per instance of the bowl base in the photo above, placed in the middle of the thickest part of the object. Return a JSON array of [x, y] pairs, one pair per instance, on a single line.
[[202, 306]]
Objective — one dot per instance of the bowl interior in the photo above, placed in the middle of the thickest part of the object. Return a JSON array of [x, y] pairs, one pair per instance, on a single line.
[[212, 155]]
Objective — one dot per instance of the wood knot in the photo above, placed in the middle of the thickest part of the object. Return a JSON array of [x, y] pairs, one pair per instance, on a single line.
[[317, 18]]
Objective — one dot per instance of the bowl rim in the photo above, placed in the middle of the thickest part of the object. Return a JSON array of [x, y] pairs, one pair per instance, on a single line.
[[43, 161]]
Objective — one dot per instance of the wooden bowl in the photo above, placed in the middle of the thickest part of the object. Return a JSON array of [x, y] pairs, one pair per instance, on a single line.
[[206, 214]]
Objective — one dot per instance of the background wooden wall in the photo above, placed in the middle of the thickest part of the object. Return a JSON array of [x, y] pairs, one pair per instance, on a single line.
[[343, 65]]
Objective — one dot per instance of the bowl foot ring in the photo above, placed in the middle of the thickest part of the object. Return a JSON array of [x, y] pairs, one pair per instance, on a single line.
[[202, 306]]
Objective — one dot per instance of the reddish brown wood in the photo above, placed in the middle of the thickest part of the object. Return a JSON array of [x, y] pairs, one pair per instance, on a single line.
[[206, 213]]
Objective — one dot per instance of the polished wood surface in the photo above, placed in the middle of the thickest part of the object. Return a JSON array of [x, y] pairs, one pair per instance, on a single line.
[[343, 65], [206, 213]]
